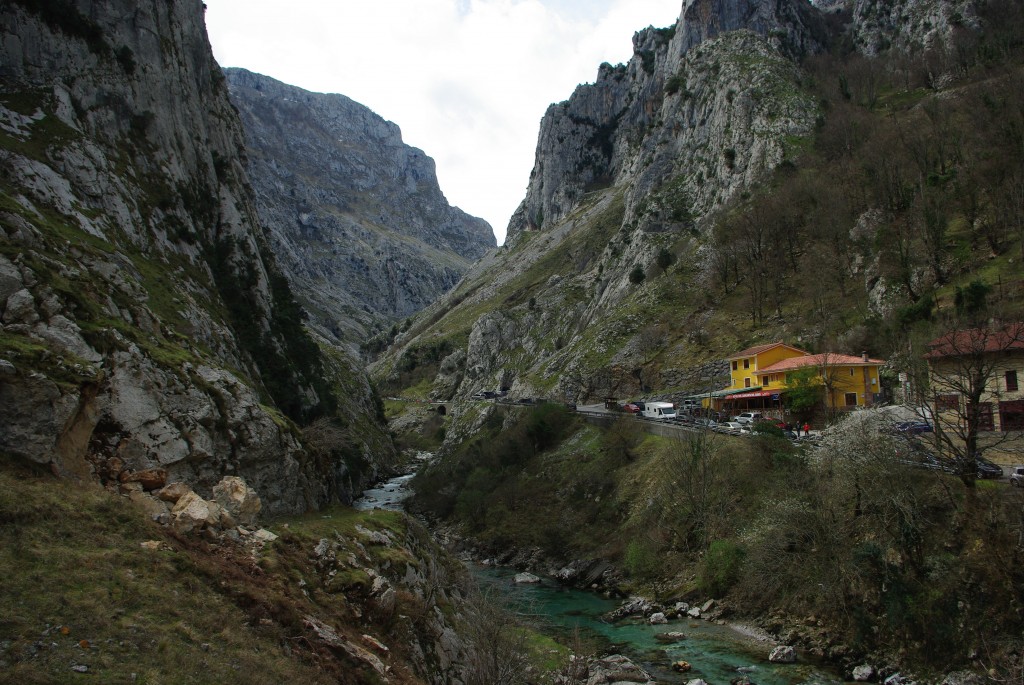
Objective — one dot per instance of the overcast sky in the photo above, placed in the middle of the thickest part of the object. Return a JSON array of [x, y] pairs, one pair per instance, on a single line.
[[466, 80]]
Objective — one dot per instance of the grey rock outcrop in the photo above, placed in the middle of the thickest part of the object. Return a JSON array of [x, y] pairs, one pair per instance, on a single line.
[[145, 324], [356, 217], [721, 80]]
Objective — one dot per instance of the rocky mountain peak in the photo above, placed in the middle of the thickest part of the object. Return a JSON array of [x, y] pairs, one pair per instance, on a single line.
[[792, 25], [356, 216]]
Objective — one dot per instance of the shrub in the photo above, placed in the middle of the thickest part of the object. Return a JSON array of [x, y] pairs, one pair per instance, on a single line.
[[720, 568], [637, 275], [640, 560]]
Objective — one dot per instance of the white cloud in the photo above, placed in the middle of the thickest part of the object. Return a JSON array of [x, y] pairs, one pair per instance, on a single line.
[[466, 80]]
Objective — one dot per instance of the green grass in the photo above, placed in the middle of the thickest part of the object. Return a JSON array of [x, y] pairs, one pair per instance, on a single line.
[[74, 571]]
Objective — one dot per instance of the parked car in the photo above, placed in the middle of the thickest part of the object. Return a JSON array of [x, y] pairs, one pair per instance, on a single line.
[[913, 427], [631, 408], [734, 425], [748, 417], [1017, 476], [988, 469]]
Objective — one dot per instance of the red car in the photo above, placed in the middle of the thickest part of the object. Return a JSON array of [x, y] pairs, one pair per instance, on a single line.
[[631, 408]]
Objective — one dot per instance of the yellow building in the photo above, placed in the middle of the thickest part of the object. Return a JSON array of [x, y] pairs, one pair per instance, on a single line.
[[743, 366], [848, 381], [759, 376]]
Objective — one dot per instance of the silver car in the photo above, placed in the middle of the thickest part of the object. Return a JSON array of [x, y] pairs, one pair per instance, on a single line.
[[1017, 476]]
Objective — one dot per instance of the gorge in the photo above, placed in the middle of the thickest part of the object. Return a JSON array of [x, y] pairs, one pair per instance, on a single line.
[[212, 279]]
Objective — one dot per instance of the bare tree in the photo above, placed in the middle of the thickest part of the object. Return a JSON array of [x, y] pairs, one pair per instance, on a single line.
[[498, 651], [693, 478], [965, 370]]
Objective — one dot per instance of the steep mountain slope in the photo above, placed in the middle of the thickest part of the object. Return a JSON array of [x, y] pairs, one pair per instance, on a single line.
[[748, 187], [355, 216], [145, 324], [623, 170]]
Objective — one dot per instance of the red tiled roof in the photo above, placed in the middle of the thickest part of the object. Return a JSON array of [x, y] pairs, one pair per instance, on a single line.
[[977, 341], [823, 359], [754, 351]]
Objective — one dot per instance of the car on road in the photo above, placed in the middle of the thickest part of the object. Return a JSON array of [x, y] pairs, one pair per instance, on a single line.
[[748, 417], [913, 427], [631, 408], [1017, 476], [735, 425], [988, 469]]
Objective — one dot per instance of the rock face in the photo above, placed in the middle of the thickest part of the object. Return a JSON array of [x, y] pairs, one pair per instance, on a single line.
[[356, 217], [720, 80], [145, 325], [909, 25]]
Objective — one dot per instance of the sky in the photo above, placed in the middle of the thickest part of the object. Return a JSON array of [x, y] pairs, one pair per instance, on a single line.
[[467, 81]]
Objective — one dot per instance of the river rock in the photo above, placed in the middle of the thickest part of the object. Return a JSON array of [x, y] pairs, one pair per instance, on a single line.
[[657, 618], [526, 579], [616, 669], [667, 638], [783, 654], [696, 681], [863, 673], [694, 612], [634, 606], [681, 666]]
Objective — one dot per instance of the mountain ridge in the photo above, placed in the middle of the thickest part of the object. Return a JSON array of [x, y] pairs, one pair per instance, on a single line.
[[356, 217]]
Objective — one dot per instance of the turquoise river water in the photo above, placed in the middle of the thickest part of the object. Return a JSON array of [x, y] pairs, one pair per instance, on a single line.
[[718, 654]]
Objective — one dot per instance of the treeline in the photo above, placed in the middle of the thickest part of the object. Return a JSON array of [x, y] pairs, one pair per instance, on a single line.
[[914, 181]]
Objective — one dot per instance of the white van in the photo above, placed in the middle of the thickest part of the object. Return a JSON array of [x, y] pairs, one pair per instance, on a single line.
[[659, 410]]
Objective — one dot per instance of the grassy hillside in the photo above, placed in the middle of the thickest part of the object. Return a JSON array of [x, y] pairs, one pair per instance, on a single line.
[[93, 589]]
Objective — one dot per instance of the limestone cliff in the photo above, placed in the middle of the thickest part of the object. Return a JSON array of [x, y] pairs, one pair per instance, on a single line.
[[355, 216], [606, 283], [144, 322]]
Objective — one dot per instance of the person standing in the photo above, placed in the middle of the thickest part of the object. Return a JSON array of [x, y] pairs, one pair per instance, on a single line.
[[807, 430]]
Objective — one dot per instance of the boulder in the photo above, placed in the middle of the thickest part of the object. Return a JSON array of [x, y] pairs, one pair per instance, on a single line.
[[192, 512], [172, 492], [526, 578], [616, 669], [657, 618], [694, 612], [783, 654], [151, 479], [681, 666], [238, 499], [863, 673]]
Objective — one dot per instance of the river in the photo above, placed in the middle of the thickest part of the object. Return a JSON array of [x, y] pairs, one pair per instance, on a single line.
[[718, 654]]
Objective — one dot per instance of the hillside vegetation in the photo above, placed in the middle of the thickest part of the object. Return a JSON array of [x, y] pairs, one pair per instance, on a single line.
[[906, 192], [847, 550], [895, 217]]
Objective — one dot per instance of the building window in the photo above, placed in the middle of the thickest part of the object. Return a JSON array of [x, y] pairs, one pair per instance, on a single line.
[[851, 399], [746, 382], [735, 366], [746, 363], [1011, 381], [1011, 415], [949, 402], [985, 417], [852, 372]]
